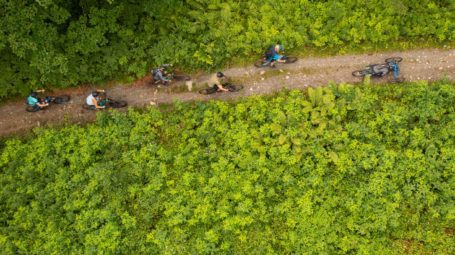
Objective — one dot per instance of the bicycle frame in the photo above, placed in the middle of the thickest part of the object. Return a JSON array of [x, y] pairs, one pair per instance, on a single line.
[[380, 70]]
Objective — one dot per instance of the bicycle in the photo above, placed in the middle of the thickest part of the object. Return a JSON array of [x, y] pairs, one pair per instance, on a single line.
[[50, 100], [228, 86], [170, 76], [380, 70], [107, 103], [263, 62]]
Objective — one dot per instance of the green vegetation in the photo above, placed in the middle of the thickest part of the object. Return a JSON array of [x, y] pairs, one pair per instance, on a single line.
[[334, 170], [61, 43]]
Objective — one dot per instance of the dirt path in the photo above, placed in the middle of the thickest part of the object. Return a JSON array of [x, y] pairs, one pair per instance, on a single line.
[[429, 64]]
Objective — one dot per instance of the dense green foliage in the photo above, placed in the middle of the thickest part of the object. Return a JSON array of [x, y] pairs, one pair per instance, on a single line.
[[64, 43], [336, 170]]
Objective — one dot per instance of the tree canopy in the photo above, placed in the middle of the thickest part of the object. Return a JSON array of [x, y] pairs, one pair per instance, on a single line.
[[334, 170], [63, 43]]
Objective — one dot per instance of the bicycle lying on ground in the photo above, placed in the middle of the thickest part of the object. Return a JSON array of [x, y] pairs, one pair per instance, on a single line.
[[50, 100], [265, 63], [380, 70], [107, 103], [229, 86]]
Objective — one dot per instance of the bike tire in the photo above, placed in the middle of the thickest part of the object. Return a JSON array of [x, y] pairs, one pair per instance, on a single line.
[[31, 109], [62, 99], [87, 107], [261, 63], [182, 78], [233, 88], [290, 60], [207, 91], [116, 103], [394, 59], [359, 73], [164, 83]]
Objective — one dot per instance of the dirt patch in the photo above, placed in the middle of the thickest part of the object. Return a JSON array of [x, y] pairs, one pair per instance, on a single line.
[[449, 231], [428, 64]]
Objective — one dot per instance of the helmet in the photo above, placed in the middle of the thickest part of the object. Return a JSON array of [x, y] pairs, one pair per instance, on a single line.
[[34, 94], [219, 74], [95, 93]]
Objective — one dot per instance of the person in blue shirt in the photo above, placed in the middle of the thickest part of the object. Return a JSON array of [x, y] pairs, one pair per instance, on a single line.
[[273, 54], [35, 102]]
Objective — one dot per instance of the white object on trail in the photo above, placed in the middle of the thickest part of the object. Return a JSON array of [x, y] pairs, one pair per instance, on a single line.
[[189, 84]]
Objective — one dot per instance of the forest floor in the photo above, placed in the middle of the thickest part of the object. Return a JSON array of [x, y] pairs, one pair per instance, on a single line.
[[425, 64]]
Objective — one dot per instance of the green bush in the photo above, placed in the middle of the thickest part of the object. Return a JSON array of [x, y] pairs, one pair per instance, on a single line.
[[335, 170], [63, 43]]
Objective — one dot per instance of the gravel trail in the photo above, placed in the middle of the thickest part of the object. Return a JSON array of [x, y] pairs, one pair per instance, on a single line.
[[426, 64]]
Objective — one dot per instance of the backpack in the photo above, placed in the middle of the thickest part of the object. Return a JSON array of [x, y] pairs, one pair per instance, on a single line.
[[27, 101], [270, 51]]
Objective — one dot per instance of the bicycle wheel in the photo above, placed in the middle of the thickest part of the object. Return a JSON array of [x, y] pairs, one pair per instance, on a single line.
[[116, 103], [88, 107], [359, 73], [290, 60], [394, 59], [31, 109], [182, 77], [207, 91], [233, 88], [261, 63], [62, 99]]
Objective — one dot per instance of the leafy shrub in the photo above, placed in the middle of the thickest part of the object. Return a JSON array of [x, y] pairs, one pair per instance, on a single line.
[[63, 43], [332, 170]]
